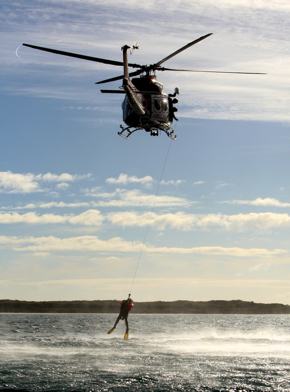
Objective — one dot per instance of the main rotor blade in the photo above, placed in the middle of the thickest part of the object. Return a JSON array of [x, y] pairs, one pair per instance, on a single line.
[[113, 91], [120, 77], [209, 71], [81, 56], [154, 66]]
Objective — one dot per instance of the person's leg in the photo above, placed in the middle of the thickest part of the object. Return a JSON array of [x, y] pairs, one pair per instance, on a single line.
[[114, 326], [117, 320], [127, 325], [126, 335]]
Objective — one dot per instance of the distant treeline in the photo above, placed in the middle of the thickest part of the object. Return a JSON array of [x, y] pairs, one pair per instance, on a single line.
[[112, 306]]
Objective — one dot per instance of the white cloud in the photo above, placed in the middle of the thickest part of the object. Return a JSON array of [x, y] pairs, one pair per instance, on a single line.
[[249, 221], [172, 182], [136, 198], [62, 186], [117, 245], [179, 220], [224, 4], [87, 218], [63, 177], [51, 204], [199, 182], [221, 185], [161, 221], [186, 221], [18, 183], [28, 182], [125, 179], [261, 202], [119, 199]]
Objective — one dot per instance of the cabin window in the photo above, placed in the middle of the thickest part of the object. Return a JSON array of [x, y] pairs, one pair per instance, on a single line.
[[157, 105], [165, 105]]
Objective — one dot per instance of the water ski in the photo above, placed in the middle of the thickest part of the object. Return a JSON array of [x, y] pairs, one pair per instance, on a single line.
[[126, 336]]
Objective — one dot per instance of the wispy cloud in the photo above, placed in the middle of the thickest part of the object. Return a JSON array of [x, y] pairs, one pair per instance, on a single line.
[[62, 186], [125, 179], [179, 220], [117, 245], [221, 185], [50, 205], [137, 198], [172, 182], [119, 199], [261, 202], [198, 182], [87, 218], [249, 34], [248, 221]]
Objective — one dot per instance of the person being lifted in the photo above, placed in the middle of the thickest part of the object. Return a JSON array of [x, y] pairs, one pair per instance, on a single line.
[[125, 307]]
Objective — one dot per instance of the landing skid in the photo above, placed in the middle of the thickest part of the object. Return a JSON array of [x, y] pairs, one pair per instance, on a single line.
[[127, 131]]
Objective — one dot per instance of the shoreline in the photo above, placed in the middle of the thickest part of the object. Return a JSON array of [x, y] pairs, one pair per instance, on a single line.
[[153, 307]]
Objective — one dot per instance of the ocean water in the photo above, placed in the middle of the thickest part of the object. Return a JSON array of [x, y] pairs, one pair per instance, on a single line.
[[72, 352]]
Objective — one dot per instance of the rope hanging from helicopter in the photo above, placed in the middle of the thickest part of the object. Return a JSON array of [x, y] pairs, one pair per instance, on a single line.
[[146, 234]]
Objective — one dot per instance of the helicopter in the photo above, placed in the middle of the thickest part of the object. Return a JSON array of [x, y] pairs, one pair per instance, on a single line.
[[146, 106]]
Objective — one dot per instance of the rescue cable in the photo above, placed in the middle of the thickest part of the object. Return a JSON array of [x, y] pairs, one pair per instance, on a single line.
[[141, 252]]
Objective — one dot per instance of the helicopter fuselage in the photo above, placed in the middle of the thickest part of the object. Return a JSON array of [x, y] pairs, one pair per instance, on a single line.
[[146, 106], [155, 103]]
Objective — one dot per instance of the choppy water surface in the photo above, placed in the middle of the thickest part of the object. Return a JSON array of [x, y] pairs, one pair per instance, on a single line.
[[67, 352]]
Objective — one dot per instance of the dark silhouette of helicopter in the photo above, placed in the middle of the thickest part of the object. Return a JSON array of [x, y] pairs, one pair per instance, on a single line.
[[146, 106]]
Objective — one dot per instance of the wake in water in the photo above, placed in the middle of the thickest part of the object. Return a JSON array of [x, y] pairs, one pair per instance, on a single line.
[[165, 353]]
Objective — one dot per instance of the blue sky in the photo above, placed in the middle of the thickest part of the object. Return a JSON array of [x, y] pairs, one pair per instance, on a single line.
[[81, 207]]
